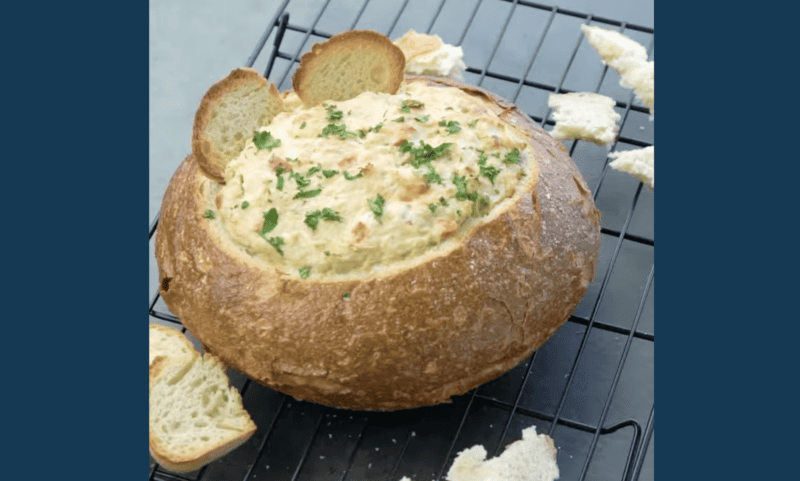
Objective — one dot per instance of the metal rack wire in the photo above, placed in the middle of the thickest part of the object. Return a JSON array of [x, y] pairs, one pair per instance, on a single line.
[[595, 370]]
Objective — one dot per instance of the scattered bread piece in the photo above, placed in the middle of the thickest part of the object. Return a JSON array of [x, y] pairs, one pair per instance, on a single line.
[[170, 343], [585, 116], [196, 416], [628, 58], [347, 65], [531, 458], [429, 55], [640, 163], [230, 111]]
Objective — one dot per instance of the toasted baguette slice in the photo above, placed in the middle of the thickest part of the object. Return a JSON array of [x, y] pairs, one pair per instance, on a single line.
[[531, 458], [230, 111], [196, 416], [584, 115], [628, 58], [640, 163], [170, 343], [347, 65]]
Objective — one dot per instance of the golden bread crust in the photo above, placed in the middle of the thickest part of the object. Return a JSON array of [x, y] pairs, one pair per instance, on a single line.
[[402, 339], [348, 64], [212, 160]]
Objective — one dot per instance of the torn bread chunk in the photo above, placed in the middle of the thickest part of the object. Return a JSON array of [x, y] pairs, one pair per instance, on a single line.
[[584, 116], [640, 163], [429, 55], [628, 58], [532, 457]]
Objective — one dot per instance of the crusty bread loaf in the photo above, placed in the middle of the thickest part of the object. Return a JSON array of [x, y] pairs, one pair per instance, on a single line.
[[412, 333], [196, 416], [348, 64], [640, 163], [228, 115], [429, 55], [171, 344], [584, 115]]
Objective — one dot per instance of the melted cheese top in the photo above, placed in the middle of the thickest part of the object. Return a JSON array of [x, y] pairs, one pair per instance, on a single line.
[[351, 186]]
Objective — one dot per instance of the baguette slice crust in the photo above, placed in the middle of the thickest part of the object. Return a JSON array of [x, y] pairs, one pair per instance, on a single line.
[[196, 416], [402, 338], [229, 113], [348, 64], [171, 344]]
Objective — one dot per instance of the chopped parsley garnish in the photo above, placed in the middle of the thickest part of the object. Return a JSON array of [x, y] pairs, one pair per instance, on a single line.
[[482, 158], [313, 217], [443, 201], [307, 194], [209, 214], [303, 125], [304, 272], [452, 126], [481, 206], [461, 189], [473, 123], [329, 173], [399, 119], [512, 157], [270, 221], [425, 152], [275, 242], [489, 172], [422, 118], [265, 140], [377, 128], [313, 170], [432, 177], [279, 172], [352, 177], [245, 205], [433, 207], [407, 105], [294, 161], [332, 113], [376, 206], [346, 295], [337, 129], [302, 182], [280, 183]]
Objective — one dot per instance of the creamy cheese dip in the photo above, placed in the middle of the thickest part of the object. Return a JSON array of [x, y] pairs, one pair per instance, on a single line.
[[348, 186]]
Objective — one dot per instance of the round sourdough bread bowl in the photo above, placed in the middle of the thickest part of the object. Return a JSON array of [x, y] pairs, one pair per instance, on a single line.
[[411, 334]]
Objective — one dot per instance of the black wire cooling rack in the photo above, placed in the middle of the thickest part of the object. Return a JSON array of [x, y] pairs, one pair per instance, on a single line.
[[590, 387]]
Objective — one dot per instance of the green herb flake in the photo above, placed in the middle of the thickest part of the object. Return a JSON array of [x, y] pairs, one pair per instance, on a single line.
[[432, 177], [453, 126], [313, 170], [376, 205], [482, 158], [422, 118], [333, 114], [265, 141], [280, 183], [461, 189], [307, 194], [489, 172], [245, 205], [377, 128], [276, 242], [339, 130], [399, 119], [294, 161], [407, 105], [443, 201], [425, 152], [304, 272], [302, 182], [209, 214], [270, 221], [481, 206], [313, 217], [346, 295], [329, 173], [473, 123], [303, 125], [352, 177], [433, 207], [512, 157]]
